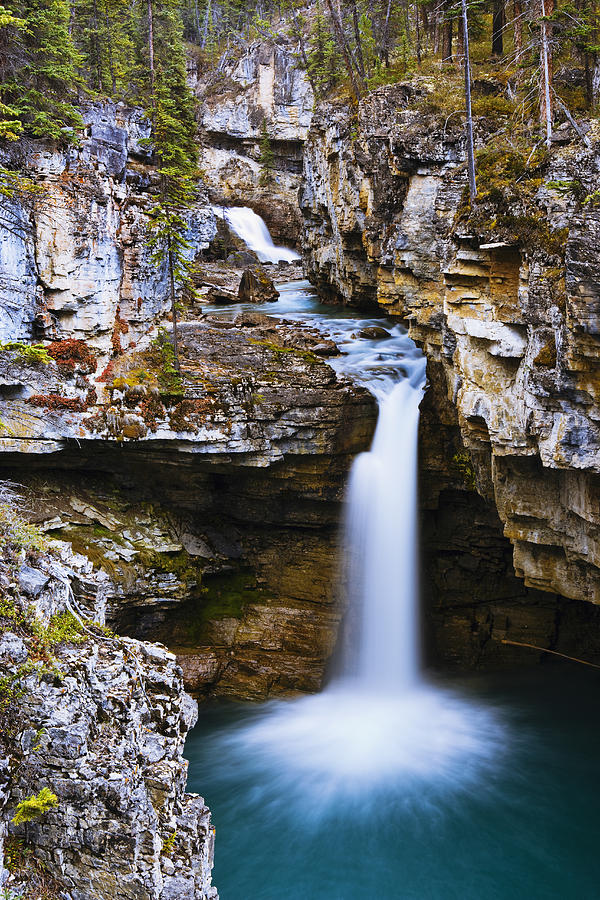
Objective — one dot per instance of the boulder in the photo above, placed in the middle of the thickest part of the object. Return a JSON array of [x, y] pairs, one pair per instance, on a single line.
[[374, 333], [256, 286], [242, 258]]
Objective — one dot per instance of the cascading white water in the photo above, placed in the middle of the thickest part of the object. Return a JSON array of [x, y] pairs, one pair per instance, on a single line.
[[381, 546], [379, 725], [252, 230]]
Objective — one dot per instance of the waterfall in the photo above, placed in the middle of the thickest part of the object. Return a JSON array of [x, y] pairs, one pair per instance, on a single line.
[[381, 547], [380, 725], [252, 230]]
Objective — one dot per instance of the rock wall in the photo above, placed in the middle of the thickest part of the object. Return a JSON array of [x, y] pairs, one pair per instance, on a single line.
[[263, 86], [73, 254], [509, 317], [100, 722]]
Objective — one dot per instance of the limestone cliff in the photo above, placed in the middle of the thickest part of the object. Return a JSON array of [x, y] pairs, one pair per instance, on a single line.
[[263, 87], [74, 260], [505, 302]]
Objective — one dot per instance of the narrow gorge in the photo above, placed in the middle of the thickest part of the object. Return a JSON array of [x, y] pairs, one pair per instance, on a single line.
[[245, 297]]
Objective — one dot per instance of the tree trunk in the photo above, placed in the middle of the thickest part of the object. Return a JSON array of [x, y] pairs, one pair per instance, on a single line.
[[596, 81], [151, 50], [498, 28], [460, 42], [111, 64], [447, 33], [97, 48], [470, 148], [204, 39], [174, 309], [359, 56], [418, 35], [386, 34], [547, 8], [518, 29]]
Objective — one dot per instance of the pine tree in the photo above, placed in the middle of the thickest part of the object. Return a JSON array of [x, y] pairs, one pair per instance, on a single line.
[[11, 28], [173, 140]]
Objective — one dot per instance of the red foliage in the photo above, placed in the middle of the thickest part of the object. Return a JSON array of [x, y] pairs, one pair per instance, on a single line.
[[55, 401], [108, 373], [120, 327], [72, 354]]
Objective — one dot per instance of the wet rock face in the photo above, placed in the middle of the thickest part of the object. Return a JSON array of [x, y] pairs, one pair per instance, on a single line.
[[511, 329], [77, 263], [102, 725], [265, 86]]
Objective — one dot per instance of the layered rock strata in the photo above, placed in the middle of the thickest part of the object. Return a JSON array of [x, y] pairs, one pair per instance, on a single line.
[[211, 502], [262, 92], [100, 722], [74, 260], [505, 303]]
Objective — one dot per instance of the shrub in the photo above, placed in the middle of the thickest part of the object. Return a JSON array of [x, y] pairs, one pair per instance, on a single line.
[[35, 806]]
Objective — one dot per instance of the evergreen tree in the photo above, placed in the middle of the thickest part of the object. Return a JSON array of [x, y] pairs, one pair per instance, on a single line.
[[173, 140], [42, 90], [11, 59], [323, 58]]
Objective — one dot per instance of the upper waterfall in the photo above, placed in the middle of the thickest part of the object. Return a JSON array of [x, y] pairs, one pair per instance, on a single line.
[[252, 230]]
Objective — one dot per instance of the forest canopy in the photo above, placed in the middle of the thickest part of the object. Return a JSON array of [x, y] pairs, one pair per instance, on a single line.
[[54, 54]]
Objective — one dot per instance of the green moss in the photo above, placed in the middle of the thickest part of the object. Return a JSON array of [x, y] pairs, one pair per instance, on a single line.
[[134, 378], [224, 596], [162, 353], [62, 628], [306, 355], [492, 106], [187, 568], [34, 354], [463, 466], [506, 208], [17, 533]]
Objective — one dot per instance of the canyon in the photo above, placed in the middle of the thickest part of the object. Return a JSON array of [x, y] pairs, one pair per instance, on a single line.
[[202, 513]]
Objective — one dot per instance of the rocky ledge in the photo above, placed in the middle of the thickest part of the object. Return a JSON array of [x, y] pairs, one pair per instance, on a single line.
[[211, 500]]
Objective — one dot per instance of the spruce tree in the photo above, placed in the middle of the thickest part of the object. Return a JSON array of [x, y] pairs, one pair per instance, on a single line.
[[43, 90], [11, 28], [173, 139]]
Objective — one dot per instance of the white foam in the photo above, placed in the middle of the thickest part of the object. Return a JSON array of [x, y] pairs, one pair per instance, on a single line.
[[255, 234]]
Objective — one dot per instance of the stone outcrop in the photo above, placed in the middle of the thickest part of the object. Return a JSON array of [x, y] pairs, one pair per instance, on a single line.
[[100, 722], [256, 286], [74, 259], [505, 303], [264, 85], [211, 502]]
